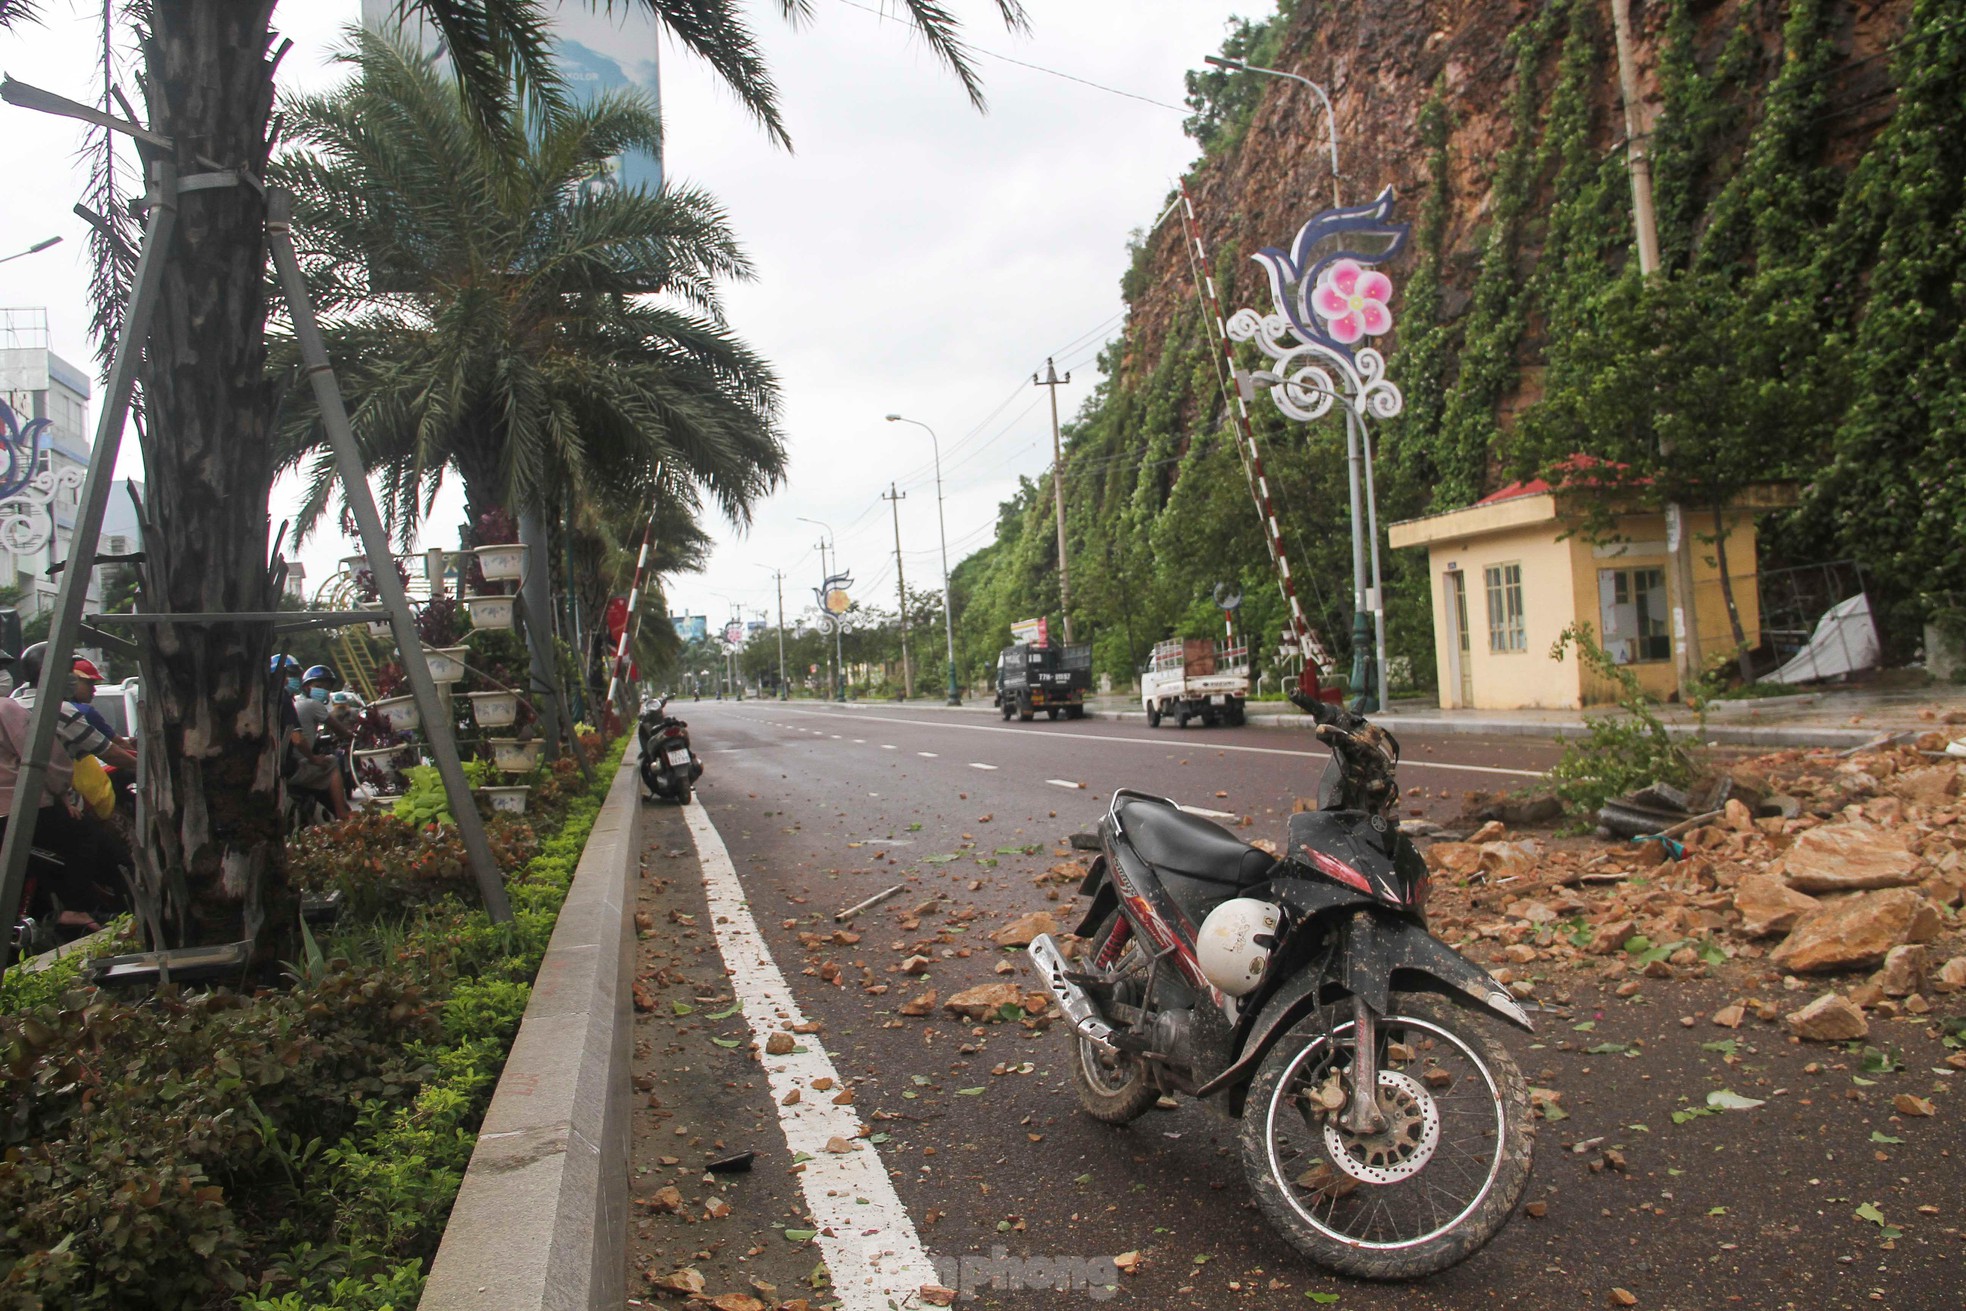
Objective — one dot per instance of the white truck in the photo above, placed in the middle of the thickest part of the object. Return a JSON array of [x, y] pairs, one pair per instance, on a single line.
[[1196, 678]]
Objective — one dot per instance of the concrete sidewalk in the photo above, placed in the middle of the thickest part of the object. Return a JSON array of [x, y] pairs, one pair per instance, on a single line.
[[1836, 718]]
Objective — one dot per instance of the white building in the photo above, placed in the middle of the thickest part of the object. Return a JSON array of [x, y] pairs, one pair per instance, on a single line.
[[38, 519]]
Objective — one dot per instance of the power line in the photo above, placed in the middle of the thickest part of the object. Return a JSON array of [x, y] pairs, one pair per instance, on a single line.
[[1036, 68]]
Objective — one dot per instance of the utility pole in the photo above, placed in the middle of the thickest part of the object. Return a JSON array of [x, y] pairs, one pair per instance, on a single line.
[[1054, 382], [1645, 224], [778, 577], [894, 500]]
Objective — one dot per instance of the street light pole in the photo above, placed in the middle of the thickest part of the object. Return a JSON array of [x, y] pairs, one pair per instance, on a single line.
[[1330, 115], [778, 576], [1052, 381], [839, 648], [35, 249], [1368, 597], [942, 525]]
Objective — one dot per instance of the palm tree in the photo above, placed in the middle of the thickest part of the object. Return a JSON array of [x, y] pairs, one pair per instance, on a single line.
[[209, 89], [498, 317]]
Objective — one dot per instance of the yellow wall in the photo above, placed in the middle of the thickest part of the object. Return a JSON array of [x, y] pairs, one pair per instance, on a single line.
[[1560, 587], [1509, 680]]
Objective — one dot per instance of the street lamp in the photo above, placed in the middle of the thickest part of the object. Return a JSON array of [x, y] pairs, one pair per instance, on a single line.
[[1330, 116], [825, 615], [31, 250], [942, 525], [1368, 600], [778, 577]]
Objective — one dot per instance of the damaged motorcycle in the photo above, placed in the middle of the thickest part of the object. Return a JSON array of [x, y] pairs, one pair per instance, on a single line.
[[1384, 1130]]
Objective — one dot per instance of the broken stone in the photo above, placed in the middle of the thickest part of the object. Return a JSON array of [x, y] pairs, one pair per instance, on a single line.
[[916, 1007], [1952, 975], [1903, 972], [1460, 859], [1730, 1017], [1021, 931], [1829, 1018], [779, 1044], [1852, 857], [1768, 905], [1857, 931], [983, 1001], [1932, 787]]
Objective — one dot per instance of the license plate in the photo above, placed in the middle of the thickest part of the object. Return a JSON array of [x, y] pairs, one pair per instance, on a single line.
[[1218, 700], [677, 755]]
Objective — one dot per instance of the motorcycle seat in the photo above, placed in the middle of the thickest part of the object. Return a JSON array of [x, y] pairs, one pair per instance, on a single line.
[[1173, 839]]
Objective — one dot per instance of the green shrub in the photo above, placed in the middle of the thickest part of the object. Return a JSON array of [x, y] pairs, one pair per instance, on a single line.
[[1615, 756]]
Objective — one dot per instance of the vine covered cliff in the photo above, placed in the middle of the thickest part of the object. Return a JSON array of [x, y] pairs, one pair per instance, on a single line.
[[1806, 322]]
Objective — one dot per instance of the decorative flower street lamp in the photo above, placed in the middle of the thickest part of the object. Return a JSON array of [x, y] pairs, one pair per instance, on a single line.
[[1323, 307]]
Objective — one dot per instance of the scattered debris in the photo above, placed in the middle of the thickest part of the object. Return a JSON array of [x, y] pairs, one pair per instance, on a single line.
[[842, 916]]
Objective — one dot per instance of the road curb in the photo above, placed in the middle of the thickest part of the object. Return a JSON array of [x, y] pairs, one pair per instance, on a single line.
[[1801, 735], [541, 1219]]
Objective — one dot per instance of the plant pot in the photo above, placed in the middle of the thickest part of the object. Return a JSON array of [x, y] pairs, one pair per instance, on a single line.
[[491, 611], [446, 662], [516, 757], [510, 800], [399, 712], [494, 709], [387, 759], [502, 561]]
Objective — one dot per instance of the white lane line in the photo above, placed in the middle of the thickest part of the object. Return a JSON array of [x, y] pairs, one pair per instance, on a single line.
[[860, 741], [977, 764], [1175, 743], [929, 754], [871, 1246], [887, 746], [1065, 783], [834, 736]]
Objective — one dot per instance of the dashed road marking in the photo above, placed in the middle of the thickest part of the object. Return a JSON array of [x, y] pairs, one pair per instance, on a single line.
[[872, 1249], [977, 764], [887, 746], [1065, 783], [928, 754]]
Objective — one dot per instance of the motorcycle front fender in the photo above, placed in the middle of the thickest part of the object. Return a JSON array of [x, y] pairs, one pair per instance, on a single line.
[[1379, 953]]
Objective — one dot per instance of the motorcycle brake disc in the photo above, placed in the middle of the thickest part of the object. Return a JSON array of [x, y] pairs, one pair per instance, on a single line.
[[1400, 1150]]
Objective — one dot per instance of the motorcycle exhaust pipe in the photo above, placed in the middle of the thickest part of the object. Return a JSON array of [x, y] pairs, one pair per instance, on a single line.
[[1079, 1008]]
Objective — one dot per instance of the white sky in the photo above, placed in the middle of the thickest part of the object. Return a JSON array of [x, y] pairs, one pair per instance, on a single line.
[[913, 255]]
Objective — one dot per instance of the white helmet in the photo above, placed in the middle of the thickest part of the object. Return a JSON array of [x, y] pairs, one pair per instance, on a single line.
[[1234, 943]]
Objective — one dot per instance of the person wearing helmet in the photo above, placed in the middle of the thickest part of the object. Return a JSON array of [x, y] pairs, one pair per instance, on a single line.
[[82, 878], [82, 694], [78, 736], [301, 722]]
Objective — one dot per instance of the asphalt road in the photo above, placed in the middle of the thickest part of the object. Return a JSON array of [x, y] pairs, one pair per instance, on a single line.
[[980, 1133]]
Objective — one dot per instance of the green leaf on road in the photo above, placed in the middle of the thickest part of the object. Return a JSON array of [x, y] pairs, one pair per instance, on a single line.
[[1868, 1211], [724, 1015], [801, 1235], [1877, 1137], [1716, 1210], [915, 827], [919, 1080], [944, 858], [1726, 1046], [969, 1092], [1322, 1299], [682, 1008], [1588, 1026], [1727, 1100], [1010, 1010], [1637, 943], [1607, 1049], [1083, 1179], [728, 1042], [1691, 1113]]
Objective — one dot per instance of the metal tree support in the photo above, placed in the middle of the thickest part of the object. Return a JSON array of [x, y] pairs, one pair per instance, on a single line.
[[74, 586], [1309, 645], [375, 543]]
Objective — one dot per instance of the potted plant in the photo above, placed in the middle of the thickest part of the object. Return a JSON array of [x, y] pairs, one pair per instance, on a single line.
[[496, 709], [515, 757], [510, 798]]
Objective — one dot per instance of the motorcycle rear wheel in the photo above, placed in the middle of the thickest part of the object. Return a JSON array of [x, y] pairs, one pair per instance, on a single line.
[[1383, 1207], [1112, 1088]]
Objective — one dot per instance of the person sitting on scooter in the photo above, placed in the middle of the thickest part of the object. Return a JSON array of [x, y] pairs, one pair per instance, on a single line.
[[83, 878], [82, 695], [78, 736], [305, 768]]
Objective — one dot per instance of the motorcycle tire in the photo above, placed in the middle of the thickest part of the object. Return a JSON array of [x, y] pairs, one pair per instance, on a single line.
[[682, 789], [1113, 1089], [1311, 1207]]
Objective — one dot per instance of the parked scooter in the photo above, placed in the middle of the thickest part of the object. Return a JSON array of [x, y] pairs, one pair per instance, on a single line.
[[669, 768], [1275, 989]]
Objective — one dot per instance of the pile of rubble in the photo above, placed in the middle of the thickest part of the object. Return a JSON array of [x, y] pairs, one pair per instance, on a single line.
[[1813, 863]]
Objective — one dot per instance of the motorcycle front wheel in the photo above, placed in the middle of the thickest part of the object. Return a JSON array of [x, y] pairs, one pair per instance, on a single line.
[[1439, 1180]]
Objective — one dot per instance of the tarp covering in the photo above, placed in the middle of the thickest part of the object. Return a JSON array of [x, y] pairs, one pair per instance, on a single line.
[[1845, 641]]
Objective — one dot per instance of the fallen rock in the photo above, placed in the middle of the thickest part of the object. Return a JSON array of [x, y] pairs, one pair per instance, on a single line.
[[1829, 1018], [1612, 937], [1768, 905], [983, 1001], [1737, 816], [779, 1044], [1903, 972], [1020, 931], [1847, 858], [1857, 931], [1931, 787], [1457, 858], [916, 1007], [1952, 975]]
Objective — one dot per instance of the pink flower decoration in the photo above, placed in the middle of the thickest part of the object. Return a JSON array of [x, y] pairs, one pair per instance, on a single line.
[[1352, 302]]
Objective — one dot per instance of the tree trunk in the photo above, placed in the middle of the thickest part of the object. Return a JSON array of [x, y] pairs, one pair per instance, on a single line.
[[1742, 659], [207, 705], [534, 594]]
